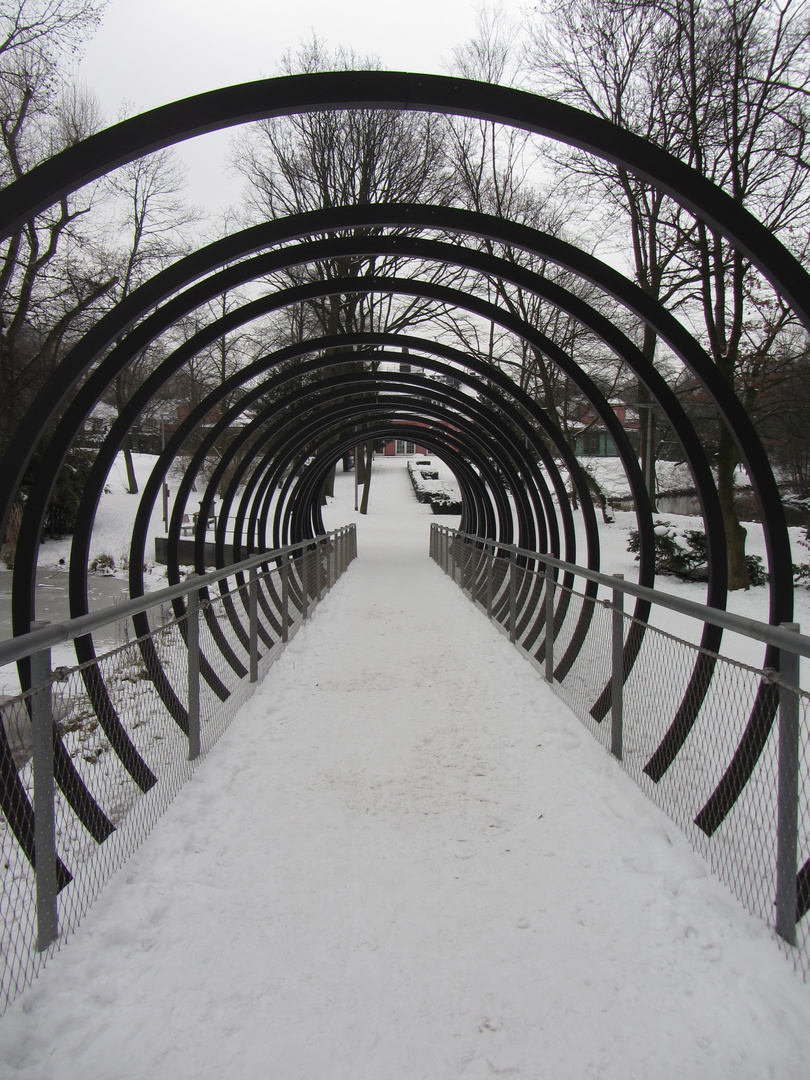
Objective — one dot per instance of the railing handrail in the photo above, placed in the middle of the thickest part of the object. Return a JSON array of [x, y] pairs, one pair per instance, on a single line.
[[789, 640], [57, 633]]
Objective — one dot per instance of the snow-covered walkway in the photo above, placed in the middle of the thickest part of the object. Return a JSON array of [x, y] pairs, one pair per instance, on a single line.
[[406, 859]]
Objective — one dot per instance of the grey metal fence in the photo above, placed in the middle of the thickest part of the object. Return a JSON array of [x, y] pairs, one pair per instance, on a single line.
[[94, 754], [758, 842]]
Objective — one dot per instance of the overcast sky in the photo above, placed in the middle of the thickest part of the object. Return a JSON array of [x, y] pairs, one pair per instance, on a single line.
[[149, 52]]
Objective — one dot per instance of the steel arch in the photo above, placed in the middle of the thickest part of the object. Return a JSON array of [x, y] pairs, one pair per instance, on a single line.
[[403, 91]]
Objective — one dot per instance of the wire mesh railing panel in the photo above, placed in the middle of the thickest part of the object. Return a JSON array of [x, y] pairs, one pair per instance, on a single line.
[[802, 949], [587, 630], [18, 927], [122, 731], [567, 609], [131, 811], [656, 692], [709, 739]]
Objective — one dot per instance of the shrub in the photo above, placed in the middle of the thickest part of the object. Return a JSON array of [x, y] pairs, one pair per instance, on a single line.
[[685, 554], [102, 564]]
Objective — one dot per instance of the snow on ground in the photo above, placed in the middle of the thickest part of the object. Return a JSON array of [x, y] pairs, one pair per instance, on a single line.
[[406, 859], [112, 527]]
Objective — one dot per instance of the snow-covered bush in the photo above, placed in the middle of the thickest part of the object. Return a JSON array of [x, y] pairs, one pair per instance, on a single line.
[[685, 554], [103, 564], [442, 495]]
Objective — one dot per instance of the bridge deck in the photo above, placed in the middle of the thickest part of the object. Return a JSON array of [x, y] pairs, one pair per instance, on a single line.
[[407, 859]]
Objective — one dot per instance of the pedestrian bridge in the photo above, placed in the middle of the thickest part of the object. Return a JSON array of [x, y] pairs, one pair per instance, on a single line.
[[405, 857], [717, 746]]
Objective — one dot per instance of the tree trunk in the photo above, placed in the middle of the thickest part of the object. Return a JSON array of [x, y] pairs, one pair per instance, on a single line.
[[369, 451], [727, 460], [329, 486], [646, 441], [132, 483], [359, 464]]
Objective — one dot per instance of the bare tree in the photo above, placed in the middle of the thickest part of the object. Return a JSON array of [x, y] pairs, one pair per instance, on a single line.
[[724, 85], [496, 175], [47, 28], [50, 278], [153, 224], [348, 158]]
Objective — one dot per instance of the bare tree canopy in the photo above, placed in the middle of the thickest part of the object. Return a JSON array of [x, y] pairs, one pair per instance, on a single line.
[[345, 158], [724, 85], [49, 280]]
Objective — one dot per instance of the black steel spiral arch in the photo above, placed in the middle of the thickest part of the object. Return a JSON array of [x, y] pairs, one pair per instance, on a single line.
[[399, 91]]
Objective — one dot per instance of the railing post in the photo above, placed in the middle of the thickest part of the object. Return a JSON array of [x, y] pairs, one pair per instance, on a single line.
[[253, 601], [787, 830], [44, 809], [193, 645], [285, 599], [549, 625], [490, 575], [617, 677], [512, 596], [305, 583]]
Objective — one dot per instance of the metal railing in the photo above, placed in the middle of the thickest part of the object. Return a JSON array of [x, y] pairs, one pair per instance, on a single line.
[[94, 754], [721, 746]]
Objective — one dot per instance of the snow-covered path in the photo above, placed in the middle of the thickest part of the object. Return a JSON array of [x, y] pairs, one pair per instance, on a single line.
[[406, 859]]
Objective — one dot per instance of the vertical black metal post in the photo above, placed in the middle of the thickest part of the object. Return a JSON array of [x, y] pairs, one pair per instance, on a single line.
[[788, 793], [617, 678], [193, 645], [285, 600], [305, 583], [512, 596], [490, 575], [253, 603], [549, 626], [44, 808]]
